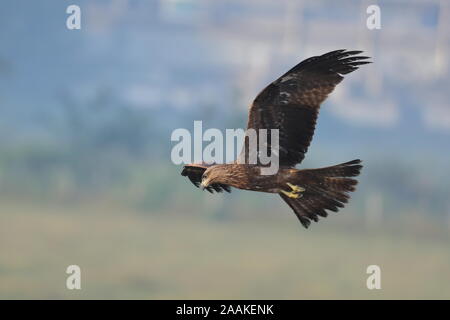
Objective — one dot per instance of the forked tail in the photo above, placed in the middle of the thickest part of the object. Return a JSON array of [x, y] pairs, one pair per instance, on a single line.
[[324, 189]]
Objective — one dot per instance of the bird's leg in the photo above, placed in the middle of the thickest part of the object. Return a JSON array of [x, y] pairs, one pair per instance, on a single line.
[[295, 189]]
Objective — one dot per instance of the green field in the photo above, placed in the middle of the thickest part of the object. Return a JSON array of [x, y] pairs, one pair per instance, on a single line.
[[128, 254]]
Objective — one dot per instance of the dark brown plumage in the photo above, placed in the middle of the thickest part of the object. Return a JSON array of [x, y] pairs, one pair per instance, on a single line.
[[291, 105]]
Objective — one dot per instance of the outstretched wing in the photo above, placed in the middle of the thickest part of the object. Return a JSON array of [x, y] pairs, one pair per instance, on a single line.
[[291, 103], [195, 172]]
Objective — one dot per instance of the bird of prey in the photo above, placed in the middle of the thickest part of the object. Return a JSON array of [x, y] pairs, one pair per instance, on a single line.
[[291, 104]]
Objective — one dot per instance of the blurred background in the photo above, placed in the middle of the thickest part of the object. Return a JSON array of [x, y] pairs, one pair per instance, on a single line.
[[85, 171]]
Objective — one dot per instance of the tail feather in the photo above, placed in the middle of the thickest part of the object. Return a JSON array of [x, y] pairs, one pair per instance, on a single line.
[[346, 169], [341, 183], [325, 189]]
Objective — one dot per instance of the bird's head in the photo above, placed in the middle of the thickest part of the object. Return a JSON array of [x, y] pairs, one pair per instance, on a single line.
[[211, 175]]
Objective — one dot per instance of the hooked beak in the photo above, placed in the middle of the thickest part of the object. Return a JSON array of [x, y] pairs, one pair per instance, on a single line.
[[204, 184]]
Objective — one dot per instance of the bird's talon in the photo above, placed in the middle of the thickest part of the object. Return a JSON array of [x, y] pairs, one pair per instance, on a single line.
[[292, 194], [295, 188]]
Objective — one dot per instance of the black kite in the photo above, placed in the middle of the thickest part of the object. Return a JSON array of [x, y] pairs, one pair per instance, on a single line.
[[291, 105]]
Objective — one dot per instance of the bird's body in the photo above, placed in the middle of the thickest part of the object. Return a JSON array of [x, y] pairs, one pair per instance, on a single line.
[[291, 105], [249, 177]]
